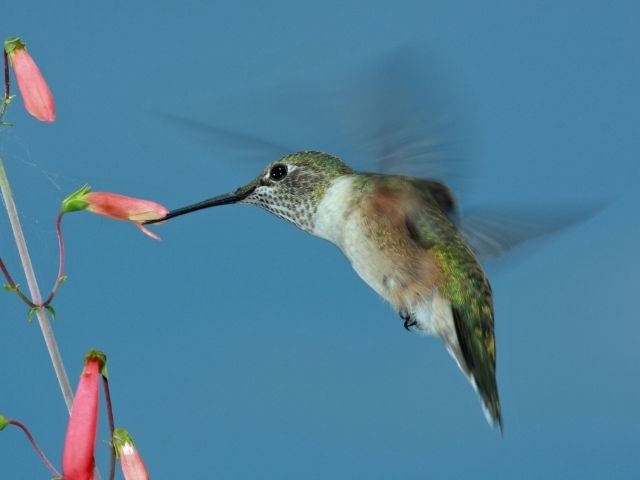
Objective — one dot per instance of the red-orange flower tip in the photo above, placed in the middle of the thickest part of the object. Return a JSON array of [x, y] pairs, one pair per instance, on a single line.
[[116, 206], [80, 439], [36, 95], [133, 467]]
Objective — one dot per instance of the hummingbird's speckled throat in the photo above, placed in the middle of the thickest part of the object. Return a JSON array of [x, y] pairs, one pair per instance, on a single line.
[[293, 187]]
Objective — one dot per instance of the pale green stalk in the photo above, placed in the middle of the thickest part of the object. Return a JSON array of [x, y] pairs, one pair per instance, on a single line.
[[36, 298]]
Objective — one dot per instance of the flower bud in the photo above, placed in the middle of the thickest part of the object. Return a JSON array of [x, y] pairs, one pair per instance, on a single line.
[[4, 421], [80, 440], [133, 467], [35, 92], [116, 206]]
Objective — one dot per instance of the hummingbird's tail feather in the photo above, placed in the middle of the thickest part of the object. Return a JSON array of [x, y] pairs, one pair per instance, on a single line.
[[475, 355]]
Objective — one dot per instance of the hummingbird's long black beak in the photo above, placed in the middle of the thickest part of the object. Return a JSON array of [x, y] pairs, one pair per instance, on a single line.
[[224, 199]]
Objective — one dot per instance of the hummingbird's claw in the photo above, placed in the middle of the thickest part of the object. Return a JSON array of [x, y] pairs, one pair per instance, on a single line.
[[409, 321]]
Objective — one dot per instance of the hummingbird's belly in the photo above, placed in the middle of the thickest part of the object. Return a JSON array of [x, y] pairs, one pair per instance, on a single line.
[[371, 232], [372, 265], [394, 280], [396, 270]]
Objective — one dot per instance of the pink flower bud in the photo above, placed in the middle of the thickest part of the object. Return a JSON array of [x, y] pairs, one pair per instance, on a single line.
[[36, 95], [119, 207], [133, 467], [80, 440]]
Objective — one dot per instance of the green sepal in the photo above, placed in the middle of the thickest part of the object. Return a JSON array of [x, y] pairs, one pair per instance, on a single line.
[[13, 43], [120, 438], [9, 288], [4, 421], [51, 310], [48, 308], [94, 354], [76, 201]]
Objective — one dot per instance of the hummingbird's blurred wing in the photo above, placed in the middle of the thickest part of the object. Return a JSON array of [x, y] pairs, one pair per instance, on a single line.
[[406, 114], [418, 126], [491, 232], [399, 112], [438, 192], [244, 144]]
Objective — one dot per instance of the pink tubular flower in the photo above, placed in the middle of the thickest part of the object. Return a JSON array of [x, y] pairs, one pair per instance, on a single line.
[[119, 207], [36, 94], [133, 467], [80, 440]]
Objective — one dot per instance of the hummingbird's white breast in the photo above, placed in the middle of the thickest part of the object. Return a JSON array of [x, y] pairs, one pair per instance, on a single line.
[[334, 210], [339, 220]]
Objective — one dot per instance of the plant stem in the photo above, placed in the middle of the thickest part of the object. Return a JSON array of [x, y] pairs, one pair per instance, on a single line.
[[6, 100], [107, 401], [60, 277], [14, 286], [36, 447], [43, 319], [7, 84]]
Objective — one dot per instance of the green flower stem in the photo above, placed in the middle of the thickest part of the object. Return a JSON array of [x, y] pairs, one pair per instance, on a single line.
[[6, 100], [107, 398], [7, 91], [7, 84], [14, 286], [43, 319], [60, 278], [36, 447]]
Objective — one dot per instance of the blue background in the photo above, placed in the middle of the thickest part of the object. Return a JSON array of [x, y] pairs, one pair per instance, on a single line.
[[241, 347]]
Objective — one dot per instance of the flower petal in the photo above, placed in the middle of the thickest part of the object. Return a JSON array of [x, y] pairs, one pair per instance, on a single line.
[[146, 231]]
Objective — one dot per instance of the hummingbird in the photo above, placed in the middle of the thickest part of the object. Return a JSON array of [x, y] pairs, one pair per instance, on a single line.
[[400, 235]]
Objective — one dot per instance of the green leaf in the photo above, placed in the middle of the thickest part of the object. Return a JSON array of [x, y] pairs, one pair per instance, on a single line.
[[30, 313], [52, 311], [4, 421], [9, 288], [63, 279]]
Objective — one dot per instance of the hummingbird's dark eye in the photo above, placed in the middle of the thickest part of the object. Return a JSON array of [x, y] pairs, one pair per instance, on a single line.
[[278, 172]]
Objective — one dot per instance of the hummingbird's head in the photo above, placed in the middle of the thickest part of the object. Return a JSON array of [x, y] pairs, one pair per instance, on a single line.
[[290, 187]]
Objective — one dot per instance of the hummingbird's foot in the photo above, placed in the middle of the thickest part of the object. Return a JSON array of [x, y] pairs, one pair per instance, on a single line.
[[409, 321]]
